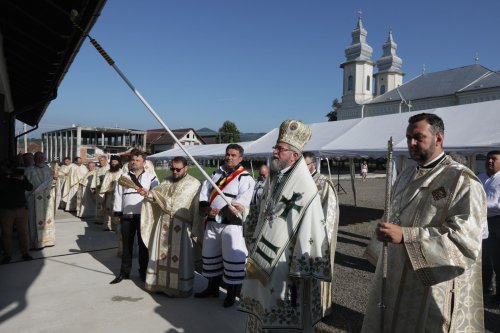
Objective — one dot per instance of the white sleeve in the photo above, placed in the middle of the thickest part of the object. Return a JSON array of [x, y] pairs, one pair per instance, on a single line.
[[245, 190], [117, 204], [205, 191]]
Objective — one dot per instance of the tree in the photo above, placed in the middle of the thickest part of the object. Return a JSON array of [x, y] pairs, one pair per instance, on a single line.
[[332, 115], [228, 133]]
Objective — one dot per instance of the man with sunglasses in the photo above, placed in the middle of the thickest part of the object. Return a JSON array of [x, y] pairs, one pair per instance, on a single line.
[[291, 252], [168, 214], [224, 251]]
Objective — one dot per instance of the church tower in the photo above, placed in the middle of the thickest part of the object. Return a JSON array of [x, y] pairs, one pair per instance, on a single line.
[[358, 71], [389, 75]]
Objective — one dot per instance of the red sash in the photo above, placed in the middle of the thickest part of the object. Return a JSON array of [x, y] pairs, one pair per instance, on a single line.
[[223, 182]]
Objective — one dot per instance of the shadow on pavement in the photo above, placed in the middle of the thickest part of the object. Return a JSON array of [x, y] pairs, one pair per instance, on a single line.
[[350, 214]]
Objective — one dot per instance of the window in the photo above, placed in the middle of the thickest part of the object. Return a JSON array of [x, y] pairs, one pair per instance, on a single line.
[[368, 82], [349, 83], [382, 89]]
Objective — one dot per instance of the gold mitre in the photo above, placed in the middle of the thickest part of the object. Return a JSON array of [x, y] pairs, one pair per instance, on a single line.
[[295, 133]]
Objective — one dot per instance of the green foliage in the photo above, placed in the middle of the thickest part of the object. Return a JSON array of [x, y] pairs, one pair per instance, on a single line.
[[196, 173], [228, 133], [332, 115], [193, 171]]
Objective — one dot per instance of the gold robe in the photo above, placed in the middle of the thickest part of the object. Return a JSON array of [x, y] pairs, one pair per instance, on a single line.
[[289, 258], [86, 203], [167, 217], [100, 199], [107, 196], [434, 278], [71, 186]]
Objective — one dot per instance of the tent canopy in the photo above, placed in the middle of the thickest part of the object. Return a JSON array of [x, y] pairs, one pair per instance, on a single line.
[[469, 128]]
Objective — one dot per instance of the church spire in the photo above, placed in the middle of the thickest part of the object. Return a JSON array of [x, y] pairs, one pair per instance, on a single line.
[[389, 62], [389, 75], [358, 50]]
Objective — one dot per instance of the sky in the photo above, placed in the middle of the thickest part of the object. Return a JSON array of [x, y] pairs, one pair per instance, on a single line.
[[256, 63]]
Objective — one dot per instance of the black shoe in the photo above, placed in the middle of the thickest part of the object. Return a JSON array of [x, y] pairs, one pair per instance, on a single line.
[[232, 291], [213, 288], [6, 260], [119, 278], [27, 257]]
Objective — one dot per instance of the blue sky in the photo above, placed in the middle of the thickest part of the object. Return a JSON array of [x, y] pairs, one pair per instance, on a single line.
[[256, 63]]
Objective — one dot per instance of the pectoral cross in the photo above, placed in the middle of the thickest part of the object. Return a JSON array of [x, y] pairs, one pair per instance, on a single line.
[[290, 204]]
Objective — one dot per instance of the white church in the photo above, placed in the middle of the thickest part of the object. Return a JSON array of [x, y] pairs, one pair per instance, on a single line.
[[367, 94]]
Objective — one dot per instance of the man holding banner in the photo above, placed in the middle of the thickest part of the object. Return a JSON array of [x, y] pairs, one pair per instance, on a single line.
[[224, 251]]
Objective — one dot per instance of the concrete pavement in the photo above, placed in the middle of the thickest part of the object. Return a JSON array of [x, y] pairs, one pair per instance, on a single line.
[[66, 289]]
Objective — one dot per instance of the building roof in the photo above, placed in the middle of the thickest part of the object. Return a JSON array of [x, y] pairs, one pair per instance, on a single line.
[[99, 129], [39, 44], [160, 137], [442, 83]]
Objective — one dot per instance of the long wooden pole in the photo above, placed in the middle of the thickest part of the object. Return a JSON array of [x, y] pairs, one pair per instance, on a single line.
[[111, 62]]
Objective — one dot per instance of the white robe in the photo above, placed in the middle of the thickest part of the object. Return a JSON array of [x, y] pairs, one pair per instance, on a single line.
[[41, 206], [290, 257]]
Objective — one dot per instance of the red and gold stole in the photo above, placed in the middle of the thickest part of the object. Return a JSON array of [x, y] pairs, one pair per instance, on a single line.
[[224, 181]]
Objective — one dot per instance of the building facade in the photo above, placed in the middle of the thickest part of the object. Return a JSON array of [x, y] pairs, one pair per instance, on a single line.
[[367, 94], [159, 140], [89, 142]]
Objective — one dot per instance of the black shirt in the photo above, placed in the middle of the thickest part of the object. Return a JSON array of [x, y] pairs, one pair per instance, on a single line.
[[12, 192]]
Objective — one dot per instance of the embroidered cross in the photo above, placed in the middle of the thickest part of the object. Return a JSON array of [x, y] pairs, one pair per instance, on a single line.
[[311, 241], [290, 204]]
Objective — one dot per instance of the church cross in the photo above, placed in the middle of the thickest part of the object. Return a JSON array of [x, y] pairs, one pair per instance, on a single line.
[[290, 204]]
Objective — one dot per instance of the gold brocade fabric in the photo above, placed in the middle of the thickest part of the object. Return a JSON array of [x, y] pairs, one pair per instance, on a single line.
[[106, 197], [166, 221], [434, 277]]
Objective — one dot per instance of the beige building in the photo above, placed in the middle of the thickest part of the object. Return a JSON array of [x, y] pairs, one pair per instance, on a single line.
[[89, 142]]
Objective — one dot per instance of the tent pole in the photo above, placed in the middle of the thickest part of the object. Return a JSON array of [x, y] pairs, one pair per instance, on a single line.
[[353, 173], [329, 171]]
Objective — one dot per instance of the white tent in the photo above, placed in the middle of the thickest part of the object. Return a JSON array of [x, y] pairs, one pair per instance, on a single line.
[[200, 152], [469, 128], [322, 134]]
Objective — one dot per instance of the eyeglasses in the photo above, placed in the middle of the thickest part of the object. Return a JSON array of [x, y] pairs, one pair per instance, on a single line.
[[176, 169], [280, 149]]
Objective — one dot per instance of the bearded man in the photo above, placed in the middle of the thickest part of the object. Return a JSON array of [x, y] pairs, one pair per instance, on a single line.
[[168, 213], [433, 233], [291, 253], [107, 191]]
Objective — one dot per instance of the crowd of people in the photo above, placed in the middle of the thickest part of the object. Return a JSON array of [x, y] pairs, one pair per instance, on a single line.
[[271, 242]]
